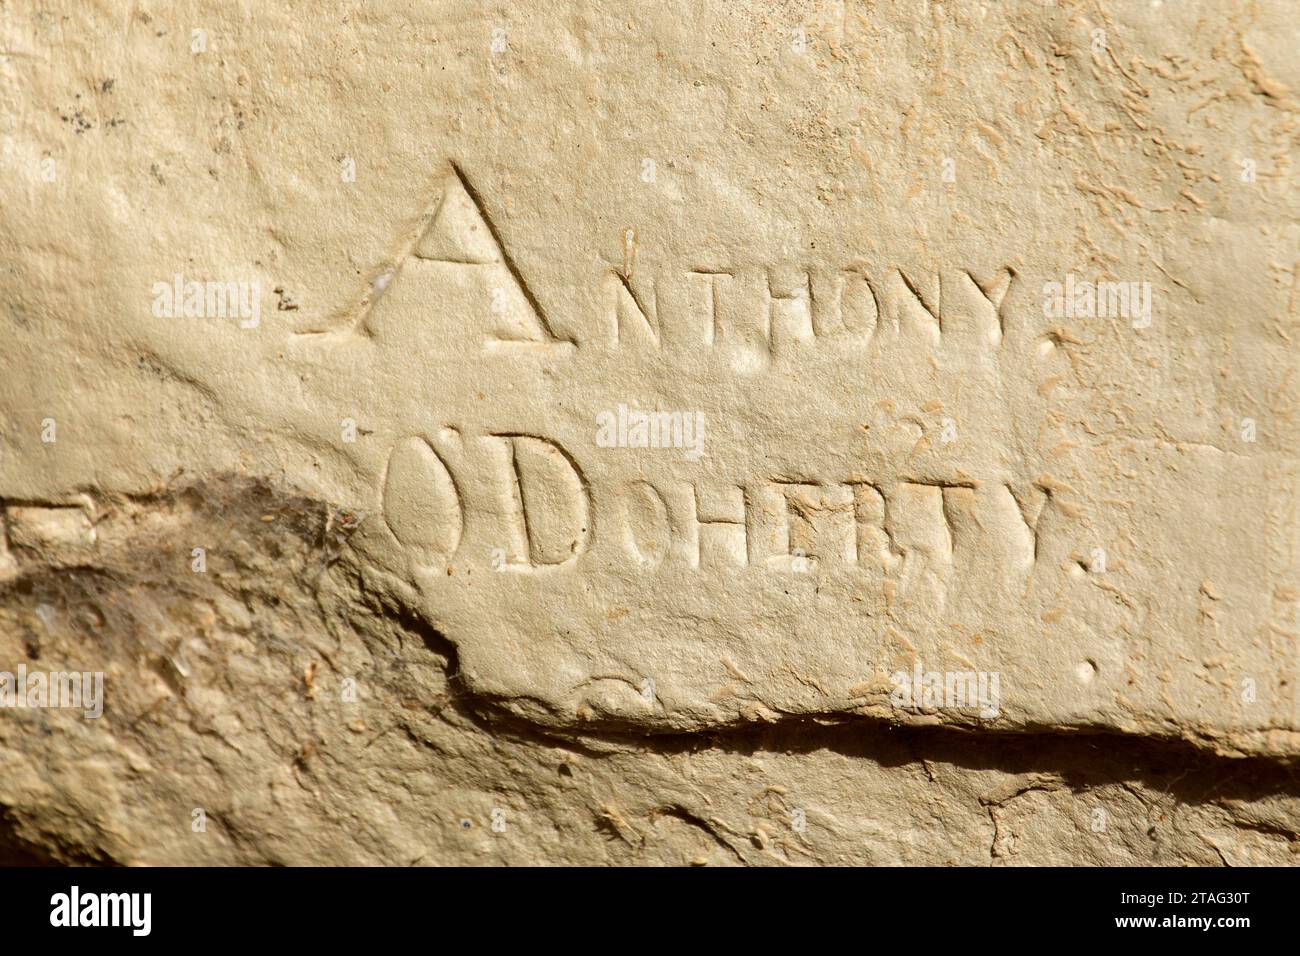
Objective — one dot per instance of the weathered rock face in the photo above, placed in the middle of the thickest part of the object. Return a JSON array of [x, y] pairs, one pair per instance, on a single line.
[[226, 694], [822, 434]]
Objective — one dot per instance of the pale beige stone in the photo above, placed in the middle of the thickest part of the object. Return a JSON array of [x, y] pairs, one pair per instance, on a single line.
[[445, 258]]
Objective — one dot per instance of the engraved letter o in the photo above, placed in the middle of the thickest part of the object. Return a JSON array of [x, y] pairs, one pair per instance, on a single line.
[[421, 506]]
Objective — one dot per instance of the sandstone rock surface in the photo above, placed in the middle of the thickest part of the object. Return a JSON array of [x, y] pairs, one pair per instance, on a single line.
[[815, 432]]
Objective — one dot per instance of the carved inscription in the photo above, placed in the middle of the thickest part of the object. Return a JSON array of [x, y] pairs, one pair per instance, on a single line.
[[752, 474], [776, 308], [523, 502], [518, 500], [784, 308]]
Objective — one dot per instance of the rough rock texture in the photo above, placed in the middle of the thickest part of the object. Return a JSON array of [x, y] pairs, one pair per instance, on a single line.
[[559, 432], [229, 701]]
